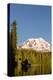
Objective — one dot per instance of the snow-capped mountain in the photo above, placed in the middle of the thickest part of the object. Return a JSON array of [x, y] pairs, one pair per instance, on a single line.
[[38, 44]]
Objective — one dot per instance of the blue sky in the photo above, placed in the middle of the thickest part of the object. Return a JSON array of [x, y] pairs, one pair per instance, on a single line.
[[33, 21]]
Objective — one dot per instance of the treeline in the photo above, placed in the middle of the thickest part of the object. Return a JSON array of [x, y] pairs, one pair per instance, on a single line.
[[32, 55], [40, 59]]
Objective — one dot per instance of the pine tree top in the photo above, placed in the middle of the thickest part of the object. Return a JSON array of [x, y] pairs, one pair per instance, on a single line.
[[14, 23]]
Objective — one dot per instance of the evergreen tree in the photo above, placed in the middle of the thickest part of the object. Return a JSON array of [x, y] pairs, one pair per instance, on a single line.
[[13, 35], [12, 50]]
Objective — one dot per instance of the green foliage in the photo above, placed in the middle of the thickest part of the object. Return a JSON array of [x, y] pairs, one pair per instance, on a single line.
[[13, 35], [12, 50], [40, 61]]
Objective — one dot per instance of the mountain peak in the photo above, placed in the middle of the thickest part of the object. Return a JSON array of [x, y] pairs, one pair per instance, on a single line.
[[38, 44]]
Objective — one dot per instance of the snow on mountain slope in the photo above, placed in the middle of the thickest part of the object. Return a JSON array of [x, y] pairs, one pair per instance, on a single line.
[[38, 44]]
